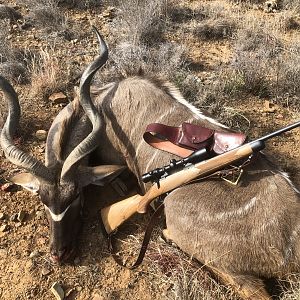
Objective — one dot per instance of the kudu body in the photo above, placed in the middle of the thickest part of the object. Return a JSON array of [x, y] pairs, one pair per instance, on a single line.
[[242, 232]]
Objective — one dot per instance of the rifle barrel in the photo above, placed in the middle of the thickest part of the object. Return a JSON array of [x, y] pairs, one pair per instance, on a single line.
[[279, 132]]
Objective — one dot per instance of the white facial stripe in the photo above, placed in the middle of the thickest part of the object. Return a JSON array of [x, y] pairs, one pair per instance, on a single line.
[[55, 217]]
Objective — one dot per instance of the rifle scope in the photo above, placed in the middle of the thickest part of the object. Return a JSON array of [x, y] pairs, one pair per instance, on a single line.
[[175, 165]]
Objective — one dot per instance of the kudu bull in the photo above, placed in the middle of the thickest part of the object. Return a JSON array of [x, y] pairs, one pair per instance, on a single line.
[[242, 233], [60, 180]]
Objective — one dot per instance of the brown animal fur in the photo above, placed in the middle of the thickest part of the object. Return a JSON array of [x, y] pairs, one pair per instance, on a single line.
[[247, 231]]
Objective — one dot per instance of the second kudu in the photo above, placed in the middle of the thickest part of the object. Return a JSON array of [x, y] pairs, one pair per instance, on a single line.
[[242, 233]]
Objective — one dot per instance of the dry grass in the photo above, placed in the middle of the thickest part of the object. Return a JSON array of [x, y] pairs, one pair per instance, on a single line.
[[287, 20], [5, 47], [214, 21], [48, 74], [81, 4], [188, 280], [12, 64], [180, 278], [287, 81], [183, 14], [141, 48], [46, 14], [14, 71], [214, 29], [250, 71], [256, 50], [163, 60], [7, 12], [141, 21], [263, 64], [291, 5], [290, 287]]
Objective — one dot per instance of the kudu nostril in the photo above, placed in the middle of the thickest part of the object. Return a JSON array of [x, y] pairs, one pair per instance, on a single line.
[[58, 255]]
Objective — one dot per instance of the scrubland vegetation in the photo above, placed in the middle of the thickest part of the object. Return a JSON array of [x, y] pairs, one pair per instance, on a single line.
[[221, 54]]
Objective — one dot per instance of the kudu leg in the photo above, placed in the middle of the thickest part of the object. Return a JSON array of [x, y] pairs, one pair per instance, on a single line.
[[247, 287]]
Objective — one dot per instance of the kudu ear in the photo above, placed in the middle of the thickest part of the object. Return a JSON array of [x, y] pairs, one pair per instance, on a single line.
[[27, 181], [99, 175]]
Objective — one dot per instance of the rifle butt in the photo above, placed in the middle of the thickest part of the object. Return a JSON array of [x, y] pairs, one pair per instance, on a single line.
[[114, 215]]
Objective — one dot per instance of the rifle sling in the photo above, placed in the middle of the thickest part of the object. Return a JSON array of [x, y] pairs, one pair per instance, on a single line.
[[187, 138], [145, 243]]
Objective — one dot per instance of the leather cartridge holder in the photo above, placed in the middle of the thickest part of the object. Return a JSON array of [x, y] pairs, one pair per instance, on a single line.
[[187, 138]]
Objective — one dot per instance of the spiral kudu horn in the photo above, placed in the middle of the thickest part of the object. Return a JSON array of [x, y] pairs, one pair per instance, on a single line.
[[91, 142], [12, 152]]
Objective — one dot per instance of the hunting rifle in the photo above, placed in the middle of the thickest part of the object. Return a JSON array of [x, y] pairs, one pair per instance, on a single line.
[[178, 173]]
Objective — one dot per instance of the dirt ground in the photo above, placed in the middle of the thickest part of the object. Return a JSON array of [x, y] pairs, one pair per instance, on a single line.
[[26, 271]]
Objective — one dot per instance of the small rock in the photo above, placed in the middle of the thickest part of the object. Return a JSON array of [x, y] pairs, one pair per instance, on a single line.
[[57, 291], [34, 254], [4, 228], [79, 288], [19, 224], [45, 271], [280, 116], [269, 107], [40, 214], [2, 216], [41, 135], [3, 252], [58, 98], [21, 216]]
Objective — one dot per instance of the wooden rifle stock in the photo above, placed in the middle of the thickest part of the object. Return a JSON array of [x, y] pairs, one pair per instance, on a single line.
[[114, 215]]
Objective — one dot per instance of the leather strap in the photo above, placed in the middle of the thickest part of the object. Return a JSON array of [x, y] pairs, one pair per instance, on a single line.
[[145, 242], [184, 140], [165, 138]]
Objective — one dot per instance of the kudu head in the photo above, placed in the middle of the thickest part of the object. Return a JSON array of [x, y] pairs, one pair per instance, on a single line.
[[60, 188]]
